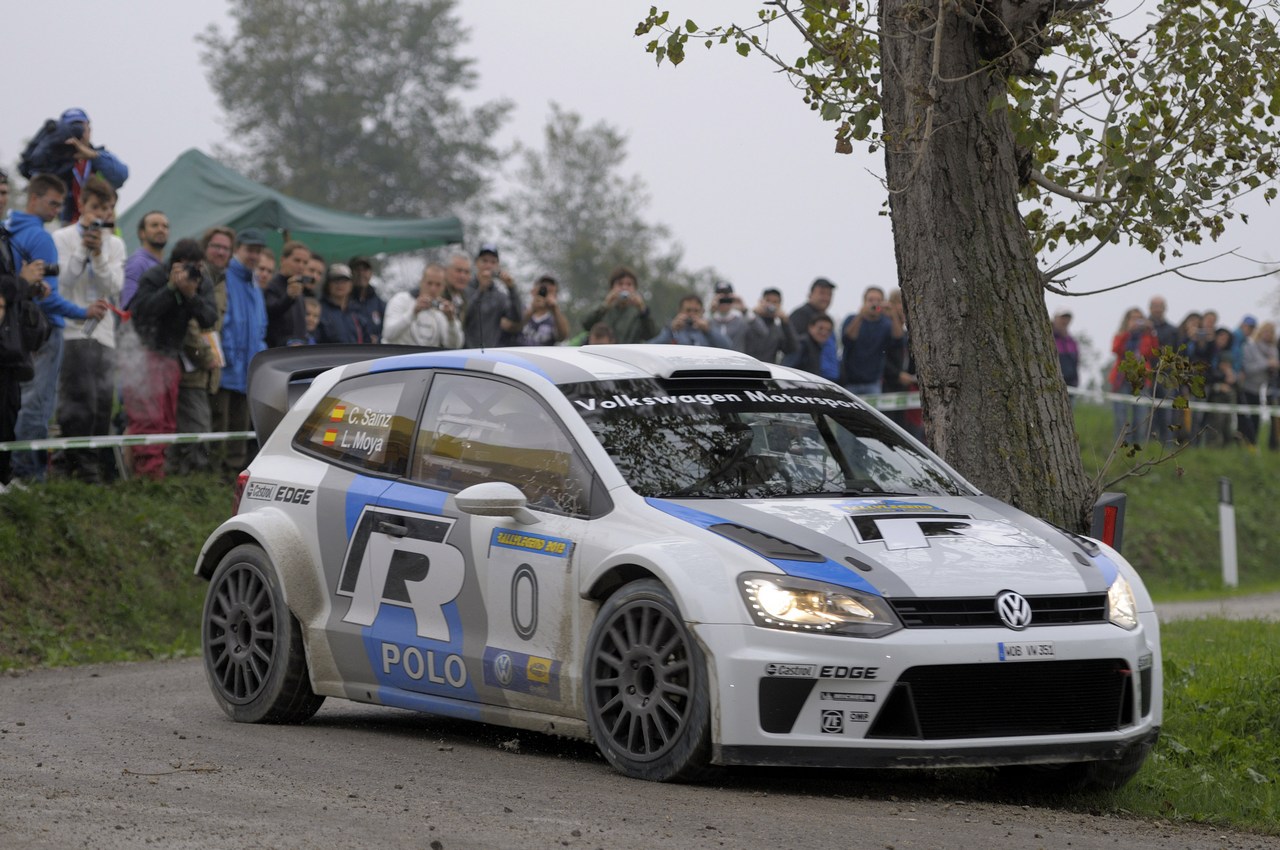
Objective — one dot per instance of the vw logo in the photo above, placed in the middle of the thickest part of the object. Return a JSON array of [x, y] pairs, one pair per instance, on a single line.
[[1014, 610], [502, 669]]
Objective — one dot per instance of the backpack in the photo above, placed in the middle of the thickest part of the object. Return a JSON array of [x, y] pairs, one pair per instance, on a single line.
[[47, 152]]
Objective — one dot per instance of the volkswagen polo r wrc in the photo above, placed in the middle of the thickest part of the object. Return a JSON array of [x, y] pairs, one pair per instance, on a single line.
[[684, 554]]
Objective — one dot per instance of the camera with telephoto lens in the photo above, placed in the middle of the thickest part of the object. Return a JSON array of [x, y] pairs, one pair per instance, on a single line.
[[542, 291]]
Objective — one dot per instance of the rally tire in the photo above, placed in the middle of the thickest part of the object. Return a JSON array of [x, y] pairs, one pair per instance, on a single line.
[[253, 653], [646, 690]]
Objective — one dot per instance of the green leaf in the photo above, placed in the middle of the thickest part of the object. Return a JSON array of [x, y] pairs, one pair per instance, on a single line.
[[830, 112], [744, 49]]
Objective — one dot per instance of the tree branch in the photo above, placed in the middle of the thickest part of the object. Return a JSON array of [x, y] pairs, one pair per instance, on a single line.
[[1172, 270], [1047, 184]]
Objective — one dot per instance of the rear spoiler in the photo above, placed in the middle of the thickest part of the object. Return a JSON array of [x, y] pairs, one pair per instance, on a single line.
[[279, 376]]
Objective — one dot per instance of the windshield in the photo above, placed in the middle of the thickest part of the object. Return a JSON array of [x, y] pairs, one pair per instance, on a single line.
[[751, 440]]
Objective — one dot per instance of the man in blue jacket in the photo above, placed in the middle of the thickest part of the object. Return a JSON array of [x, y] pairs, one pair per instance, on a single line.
[[244, 334], [30, 243]]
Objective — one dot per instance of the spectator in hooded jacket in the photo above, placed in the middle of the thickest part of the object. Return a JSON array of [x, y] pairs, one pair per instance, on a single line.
[[29, 242]]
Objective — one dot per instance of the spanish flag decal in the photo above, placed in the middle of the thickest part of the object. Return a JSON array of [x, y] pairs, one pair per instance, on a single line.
[[338, 412], [330, 436]]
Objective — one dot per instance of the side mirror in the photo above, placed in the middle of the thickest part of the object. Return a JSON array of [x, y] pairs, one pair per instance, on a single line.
[[495, 498]]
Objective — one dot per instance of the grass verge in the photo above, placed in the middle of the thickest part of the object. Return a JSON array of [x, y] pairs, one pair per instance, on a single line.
[[104, 573]]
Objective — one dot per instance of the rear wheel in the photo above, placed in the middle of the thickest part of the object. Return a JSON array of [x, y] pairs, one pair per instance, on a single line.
[[253, 653], [647, 696]]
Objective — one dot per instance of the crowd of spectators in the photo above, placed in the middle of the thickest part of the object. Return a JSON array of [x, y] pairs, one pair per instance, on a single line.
[[173, 328], [1240, 366]]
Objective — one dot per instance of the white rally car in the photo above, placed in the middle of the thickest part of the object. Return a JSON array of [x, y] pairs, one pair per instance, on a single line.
[[686, 555]]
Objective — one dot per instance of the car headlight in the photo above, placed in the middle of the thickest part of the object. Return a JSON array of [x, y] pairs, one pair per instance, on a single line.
[[801, 605], [1122, 608]]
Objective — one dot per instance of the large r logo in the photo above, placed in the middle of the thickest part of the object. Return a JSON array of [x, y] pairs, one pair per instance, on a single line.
[[402, 559]]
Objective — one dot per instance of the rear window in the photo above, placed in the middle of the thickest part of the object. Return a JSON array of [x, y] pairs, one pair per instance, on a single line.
[[366, 422]]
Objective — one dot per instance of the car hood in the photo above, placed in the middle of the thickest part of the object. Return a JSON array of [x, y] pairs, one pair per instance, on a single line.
[[946, 546]]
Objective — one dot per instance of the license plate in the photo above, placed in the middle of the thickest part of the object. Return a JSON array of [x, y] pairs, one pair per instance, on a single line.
[[1025, 651]]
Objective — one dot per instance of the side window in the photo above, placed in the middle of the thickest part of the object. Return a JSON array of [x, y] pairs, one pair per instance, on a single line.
[[366, 422], [475, 429]]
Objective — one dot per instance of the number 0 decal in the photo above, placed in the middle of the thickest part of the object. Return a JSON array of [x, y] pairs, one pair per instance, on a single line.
[[524, 601]]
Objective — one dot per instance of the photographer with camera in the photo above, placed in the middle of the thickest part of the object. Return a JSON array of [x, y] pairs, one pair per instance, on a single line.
[[426, 317], [286, 314], [544, 323], [65, 149], [624, 309], [729, 315], [168, 298], [690, 327], [29, 242], [91, 258], [769, 332]]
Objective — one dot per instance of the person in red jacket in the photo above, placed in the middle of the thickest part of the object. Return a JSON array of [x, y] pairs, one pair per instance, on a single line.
[[1132, 422]]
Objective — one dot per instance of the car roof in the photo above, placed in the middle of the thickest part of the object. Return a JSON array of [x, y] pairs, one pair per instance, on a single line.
[[568, 365]]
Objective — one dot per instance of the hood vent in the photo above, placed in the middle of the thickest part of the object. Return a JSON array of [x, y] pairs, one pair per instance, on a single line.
[[766, 545]]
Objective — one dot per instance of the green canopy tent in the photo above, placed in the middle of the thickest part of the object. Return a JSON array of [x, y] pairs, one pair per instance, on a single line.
[[196, 192]]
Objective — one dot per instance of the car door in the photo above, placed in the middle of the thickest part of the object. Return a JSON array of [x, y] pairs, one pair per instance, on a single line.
[[361, 431], [483, 606]]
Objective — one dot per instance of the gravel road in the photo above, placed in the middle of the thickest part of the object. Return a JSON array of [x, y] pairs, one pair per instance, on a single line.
[[138, 756], [1261, 606]]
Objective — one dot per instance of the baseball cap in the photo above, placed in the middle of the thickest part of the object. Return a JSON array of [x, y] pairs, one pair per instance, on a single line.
[[822, 281], [724, 287], [74, 114], [487, 248], [359, 262], [250, 236], [1060, 313], [1249, 320], [339, 271]]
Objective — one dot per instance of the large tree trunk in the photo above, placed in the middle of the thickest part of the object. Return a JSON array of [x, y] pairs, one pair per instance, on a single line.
[[995, 403]]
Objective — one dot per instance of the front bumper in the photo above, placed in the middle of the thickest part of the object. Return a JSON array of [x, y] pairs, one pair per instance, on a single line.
[[931, 697]]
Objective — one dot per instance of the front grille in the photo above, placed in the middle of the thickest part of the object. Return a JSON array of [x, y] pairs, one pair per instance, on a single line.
[[980, 611], [1009, 699]]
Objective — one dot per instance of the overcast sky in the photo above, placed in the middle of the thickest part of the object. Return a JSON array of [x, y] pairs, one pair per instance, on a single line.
[[739, 169]]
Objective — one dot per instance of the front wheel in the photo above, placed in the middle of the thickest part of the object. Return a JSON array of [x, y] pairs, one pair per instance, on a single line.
[[253, 653], [647, 696]]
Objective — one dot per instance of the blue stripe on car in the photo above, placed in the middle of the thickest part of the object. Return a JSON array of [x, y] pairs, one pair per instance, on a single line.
[[828, 570]]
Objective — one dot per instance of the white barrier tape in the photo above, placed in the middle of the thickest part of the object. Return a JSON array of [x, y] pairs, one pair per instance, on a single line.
[[1196, 405], [112, 442]]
